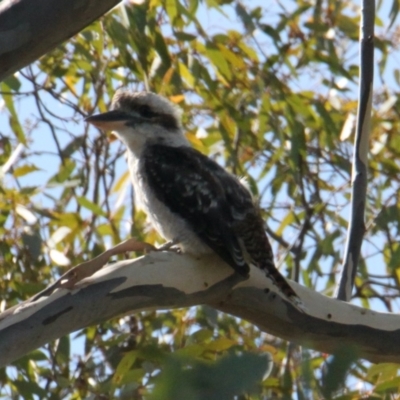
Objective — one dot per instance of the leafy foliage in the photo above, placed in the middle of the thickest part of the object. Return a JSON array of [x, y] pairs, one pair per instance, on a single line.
[[269, 91], [229, 376]]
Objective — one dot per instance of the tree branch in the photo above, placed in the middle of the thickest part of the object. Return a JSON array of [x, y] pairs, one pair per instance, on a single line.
[[31, 28], [356, 228], [165, 280]]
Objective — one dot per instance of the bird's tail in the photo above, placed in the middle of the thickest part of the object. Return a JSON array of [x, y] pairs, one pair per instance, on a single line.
[[282, 284]]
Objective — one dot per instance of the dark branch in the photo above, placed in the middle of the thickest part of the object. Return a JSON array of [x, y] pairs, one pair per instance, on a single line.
[[32, 28], [356, 228]]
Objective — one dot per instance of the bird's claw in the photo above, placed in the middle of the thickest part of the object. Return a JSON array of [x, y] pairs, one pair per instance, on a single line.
[[169, 246]]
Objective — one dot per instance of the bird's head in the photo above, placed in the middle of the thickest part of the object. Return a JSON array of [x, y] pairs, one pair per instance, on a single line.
[[138, 118]]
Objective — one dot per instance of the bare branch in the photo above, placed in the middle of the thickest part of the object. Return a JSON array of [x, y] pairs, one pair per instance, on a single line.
[[165, 280], [356, 228]]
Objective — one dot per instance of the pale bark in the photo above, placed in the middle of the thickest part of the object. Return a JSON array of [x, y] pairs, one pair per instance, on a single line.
[[164, 280]]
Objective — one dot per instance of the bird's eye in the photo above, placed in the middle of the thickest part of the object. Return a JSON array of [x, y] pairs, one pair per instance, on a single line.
[[145, 111]]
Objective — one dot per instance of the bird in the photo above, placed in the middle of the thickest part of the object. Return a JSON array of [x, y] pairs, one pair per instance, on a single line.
[[189, 198]]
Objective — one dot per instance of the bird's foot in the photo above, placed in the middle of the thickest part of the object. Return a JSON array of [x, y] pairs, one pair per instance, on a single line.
[[170, 246]]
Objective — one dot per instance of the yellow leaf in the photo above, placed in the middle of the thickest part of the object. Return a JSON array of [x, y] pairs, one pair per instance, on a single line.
[[194, 140], [229, 124], [267, 348], [177, 99], [70, 83], [231, 57], [111, 137], [186, 75], [154, 4], [172, 9], [168, 75], [24, 169], [121, 182], [285, 222]]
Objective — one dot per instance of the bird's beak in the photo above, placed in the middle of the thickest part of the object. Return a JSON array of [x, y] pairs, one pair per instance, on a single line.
[[111, 120]]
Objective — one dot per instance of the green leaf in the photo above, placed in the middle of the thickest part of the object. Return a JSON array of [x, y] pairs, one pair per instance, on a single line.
[[63, 173], [382, 371], [124, 366], [192, 350], [105, 229], [96, 209], [13, 83], [186, 75], [200, 336], [221, 344], [171, 7], [28, 389], [132, 376], [394, 12], [216, 57], [73, 146], [24, 170], [185, 37], [245, 17], [391, 384], [162, 49], [337, 368], [14, 120], [63, 350], [33, 244]]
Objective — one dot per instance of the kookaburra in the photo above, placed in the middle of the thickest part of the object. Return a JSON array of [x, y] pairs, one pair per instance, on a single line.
[[188, 197]]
